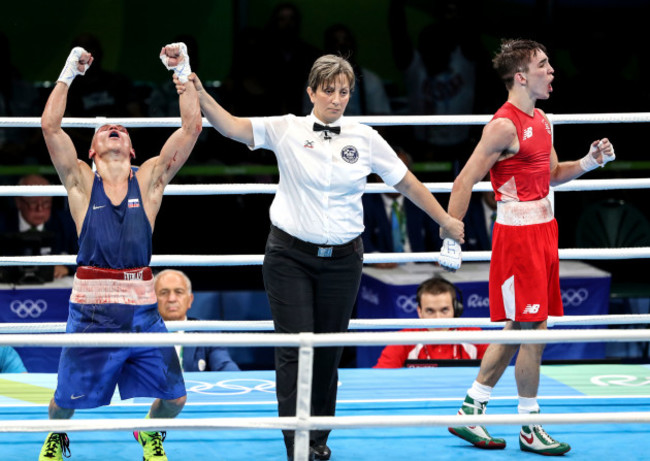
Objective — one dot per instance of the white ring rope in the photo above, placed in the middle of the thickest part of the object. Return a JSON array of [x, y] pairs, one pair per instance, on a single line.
[[369, 258], [378, 120], [309, 340], [372, 188], [355, 324], [317, 422]]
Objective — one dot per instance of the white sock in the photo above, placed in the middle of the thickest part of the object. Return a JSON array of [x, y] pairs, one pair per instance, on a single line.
[[480, 392], [527, 405]]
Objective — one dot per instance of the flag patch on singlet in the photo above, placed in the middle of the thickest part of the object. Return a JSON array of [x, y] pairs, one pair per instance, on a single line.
[[134, 203]]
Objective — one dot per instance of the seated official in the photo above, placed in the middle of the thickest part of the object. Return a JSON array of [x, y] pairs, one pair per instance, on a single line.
[[395, 225], [437, 299], [174, 293], [34, 228], [10, 361]]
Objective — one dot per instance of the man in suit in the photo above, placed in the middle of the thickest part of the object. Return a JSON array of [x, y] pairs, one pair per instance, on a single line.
[[174, 293], [52, 230], [479, 221], [394, 225]]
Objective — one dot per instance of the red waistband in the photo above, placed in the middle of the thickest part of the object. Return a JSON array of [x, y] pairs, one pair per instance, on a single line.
[[138, 273]]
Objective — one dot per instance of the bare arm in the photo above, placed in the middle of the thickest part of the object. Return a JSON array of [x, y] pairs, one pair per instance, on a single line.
[[178, 147], [59, 145], [75, 174], [157, 172], [499, 138], [236, 128], [601, 151], [416, 192]]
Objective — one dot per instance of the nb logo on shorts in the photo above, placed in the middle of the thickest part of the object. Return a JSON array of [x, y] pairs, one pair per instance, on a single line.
[[531, 309]]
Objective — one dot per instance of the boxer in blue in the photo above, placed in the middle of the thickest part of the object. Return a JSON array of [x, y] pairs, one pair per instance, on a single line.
[[114, 210]]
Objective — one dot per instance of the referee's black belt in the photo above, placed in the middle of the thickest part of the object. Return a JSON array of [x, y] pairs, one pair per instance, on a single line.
[[321, 251]]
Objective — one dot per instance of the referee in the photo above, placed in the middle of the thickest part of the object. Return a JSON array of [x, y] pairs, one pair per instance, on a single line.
[[314, 253]]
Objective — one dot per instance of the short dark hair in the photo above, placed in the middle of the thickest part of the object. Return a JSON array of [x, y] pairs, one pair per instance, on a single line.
[[436, 286], [514, 56]]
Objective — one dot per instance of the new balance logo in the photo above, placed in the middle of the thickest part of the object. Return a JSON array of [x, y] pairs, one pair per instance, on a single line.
[[531, 309], [528, 133]]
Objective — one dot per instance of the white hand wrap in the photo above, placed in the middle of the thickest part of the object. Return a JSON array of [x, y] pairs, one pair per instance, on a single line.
[[182, 69], [71, 68], [588, 162], [450, 255]]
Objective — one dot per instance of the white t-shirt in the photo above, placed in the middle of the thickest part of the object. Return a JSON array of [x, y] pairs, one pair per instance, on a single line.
[[321, 180]]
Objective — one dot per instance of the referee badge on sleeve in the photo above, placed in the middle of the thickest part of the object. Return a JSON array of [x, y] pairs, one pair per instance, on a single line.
[[350, 154]]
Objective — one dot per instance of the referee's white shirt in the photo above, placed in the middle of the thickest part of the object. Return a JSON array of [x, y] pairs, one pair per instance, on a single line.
[[321, 180]]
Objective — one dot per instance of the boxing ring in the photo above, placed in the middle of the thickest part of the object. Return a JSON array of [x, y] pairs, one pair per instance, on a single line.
[[601, 410]]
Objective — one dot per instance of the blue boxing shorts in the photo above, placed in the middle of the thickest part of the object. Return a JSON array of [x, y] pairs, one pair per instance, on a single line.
[[88, 376]]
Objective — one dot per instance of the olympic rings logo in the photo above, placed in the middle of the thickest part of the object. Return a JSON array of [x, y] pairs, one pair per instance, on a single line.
[[574, 297], [407, 303], [28, 308], [621, 380], [232, 387]]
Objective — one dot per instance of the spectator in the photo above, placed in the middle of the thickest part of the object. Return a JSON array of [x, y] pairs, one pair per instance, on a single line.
[[437, 299], [18, 98], [10, 361], [370, 96], [102, 92], [289, 57], [393, 225], [174, 293], [53, 231], [246, 88], [440, 73]]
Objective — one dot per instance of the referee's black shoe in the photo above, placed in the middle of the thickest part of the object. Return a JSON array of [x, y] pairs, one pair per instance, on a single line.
[[322, 452]]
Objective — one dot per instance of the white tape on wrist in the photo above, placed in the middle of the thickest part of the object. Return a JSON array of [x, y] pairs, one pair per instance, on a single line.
[[182, 69], [71, 68], [450, 255], [588, 162]]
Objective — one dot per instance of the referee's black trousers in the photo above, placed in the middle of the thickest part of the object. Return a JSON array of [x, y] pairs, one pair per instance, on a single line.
[[308, 293]]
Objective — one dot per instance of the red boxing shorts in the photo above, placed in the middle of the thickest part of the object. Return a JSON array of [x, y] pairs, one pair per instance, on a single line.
[[525, 272]]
